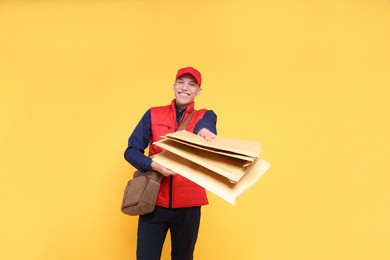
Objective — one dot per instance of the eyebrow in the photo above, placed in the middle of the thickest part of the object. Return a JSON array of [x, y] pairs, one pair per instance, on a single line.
[[190, 81]]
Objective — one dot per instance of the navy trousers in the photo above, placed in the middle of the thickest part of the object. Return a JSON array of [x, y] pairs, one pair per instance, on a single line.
[[183, 224]]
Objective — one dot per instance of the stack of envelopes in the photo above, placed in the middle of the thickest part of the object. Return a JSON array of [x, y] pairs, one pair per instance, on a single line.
[[225, 167]]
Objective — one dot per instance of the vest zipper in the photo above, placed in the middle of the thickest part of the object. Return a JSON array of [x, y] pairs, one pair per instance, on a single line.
[[171, 177], [170, 191]]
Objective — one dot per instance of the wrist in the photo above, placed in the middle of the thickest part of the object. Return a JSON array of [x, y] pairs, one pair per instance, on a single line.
[[154, 166]]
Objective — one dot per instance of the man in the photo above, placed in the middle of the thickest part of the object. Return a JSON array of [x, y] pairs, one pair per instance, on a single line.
[[178, 206]]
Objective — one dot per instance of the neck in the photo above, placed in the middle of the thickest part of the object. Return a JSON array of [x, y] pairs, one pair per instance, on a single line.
[[180, 108]]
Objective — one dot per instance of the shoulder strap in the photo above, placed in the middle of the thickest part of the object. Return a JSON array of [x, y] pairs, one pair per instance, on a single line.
[[185, 122]]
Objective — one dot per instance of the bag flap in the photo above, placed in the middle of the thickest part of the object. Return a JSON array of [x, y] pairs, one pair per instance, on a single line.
[[134, 190]]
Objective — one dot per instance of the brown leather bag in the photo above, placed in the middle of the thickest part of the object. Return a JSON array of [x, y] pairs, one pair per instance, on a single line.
[[141, 192]]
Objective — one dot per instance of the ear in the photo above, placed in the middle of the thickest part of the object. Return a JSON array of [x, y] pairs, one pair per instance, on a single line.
[[199, 91]]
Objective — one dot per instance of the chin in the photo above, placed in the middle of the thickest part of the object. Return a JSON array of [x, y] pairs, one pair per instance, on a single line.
[[182, 103]]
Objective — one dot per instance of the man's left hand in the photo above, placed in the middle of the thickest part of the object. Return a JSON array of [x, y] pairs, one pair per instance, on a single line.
[[206, 134]]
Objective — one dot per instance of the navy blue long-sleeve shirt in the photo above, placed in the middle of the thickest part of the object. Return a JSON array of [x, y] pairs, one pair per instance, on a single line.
[[140, 138]]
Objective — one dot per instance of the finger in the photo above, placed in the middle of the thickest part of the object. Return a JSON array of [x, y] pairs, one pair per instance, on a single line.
[[210, 136]]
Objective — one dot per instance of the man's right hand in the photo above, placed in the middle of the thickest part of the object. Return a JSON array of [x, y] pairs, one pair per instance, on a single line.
[[161, 169]]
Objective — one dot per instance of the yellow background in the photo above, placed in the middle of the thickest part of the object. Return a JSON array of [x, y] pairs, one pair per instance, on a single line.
[[310, 79]]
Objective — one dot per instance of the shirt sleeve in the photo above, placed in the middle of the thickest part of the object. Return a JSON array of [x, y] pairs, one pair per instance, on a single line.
[[138, 142], [209, 121]]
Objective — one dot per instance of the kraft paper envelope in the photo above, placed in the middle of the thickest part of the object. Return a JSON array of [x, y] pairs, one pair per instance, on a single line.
[[210, 180], [235, 146], [230, 167], [249, 159]]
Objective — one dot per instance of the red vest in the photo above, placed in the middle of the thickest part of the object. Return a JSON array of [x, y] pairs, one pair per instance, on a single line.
[[184, 192]]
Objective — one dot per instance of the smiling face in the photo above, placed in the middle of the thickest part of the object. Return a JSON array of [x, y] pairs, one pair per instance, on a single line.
[[186, 89]]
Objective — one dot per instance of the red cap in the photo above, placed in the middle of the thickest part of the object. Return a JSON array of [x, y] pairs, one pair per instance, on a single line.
[[192, 71]]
